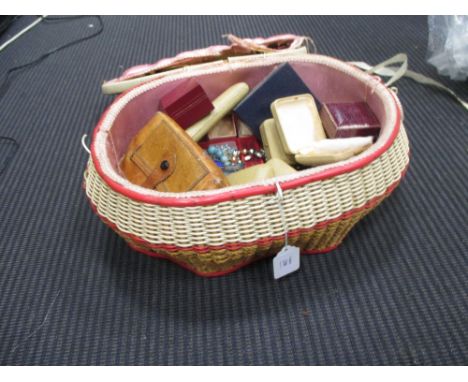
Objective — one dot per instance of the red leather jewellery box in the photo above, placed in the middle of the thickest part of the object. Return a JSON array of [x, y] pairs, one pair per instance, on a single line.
[[349, 119], [186, 104]]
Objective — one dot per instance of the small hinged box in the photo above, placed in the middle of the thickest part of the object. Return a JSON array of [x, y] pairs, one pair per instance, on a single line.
[[351, 119], [186, 104], [298, 122]]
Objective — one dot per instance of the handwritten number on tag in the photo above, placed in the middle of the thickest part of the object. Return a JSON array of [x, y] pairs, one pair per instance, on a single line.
[[286, 261]]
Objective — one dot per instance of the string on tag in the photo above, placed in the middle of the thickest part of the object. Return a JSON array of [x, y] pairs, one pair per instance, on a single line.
[[279, 199], [288, 259]]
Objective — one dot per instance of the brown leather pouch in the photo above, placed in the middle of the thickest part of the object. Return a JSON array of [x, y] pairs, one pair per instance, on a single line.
[[162, 156]]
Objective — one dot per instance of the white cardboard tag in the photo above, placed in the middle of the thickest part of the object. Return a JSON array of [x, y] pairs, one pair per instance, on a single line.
[[286, 261]]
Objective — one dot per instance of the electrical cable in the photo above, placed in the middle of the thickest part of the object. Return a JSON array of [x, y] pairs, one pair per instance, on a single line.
[[4, 85], [5, 23]]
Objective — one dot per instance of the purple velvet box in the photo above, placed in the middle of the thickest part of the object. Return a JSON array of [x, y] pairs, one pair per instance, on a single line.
[[353, 119], [186, 104]]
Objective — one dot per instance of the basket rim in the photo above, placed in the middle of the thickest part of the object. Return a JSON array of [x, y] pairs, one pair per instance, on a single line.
[[371, 203], [233, 194]]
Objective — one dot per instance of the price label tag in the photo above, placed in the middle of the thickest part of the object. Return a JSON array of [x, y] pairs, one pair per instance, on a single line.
[[286, 261]]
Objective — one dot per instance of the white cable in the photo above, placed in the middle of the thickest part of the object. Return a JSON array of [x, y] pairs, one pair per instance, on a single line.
[[16, 36]]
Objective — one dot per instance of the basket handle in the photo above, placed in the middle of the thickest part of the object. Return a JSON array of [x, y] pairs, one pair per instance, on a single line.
[[83, 143]]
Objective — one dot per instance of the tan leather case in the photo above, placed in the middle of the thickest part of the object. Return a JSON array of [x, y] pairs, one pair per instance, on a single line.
[[272, 143], [162, 156]]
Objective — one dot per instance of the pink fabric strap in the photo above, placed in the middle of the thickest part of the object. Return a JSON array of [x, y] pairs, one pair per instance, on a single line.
[[238, 47]]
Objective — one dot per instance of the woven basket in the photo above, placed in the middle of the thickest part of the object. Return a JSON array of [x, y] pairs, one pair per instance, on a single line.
[[218, 231]]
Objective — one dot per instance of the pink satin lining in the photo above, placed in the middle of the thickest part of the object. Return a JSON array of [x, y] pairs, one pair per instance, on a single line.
[[327, 84]]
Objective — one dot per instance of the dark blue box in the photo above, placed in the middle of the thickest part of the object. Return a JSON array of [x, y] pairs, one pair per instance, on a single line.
[[255, 108]]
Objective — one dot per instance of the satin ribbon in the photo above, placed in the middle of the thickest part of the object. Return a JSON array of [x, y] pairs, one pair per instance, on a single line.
[[387, 69]]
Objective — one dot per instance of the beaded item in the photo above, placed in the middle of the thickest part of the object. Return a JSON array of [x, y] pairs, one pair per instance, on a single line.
[[229, 158]]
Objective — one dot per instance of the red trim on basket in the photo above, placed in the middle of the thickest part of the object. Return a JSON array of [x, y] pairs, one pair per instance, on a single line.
[[194, 270], [319, 251], [171, 201], [219, 273], [234, 246]]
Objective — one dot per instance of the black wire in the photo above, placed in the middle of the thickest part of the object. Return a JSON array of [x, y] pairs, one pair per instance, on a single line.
[[5, 25], [5, 84]]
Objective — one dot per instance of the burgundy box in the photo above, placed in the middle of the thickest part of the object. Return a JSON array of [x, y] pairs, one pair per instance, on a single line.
[[186, 104], [353, 119]]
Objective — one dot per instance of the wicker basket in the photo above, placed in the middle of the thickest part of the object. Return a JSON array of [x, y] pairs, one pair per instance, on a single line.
[[215, 232]]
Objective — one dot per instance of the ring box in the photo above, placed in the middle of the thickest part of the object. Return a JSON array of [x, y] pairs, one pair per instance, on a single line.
[[186, 104], [352, 119], [229, 127], [223, 129], [272, 143], [298, 122]]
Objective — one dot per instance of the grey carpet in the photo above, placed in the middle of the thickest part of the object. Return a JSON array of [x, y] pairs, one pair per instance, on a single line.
[[72, 292]]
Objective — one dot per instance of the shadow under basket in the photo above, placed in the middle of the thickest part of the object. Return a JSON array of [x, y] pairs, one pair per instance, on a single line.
[[218, 231]]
